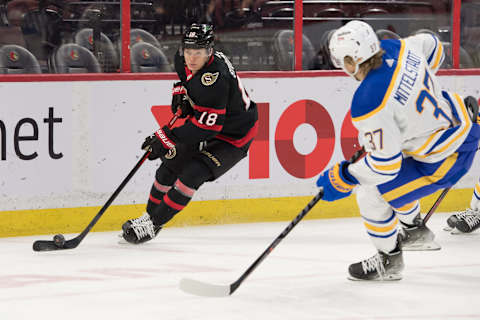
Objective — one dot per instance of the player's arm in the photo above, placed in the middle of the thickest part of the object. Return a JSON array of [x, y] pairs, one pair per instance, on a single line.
[[432, 49], [208, 116], [382, 140]]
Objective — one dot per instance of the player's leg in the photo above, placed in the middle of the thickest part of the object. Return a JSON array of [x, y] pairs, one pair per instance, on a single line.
[[177, 198], [468, 220], [206, 165], [414, 234], [143, 228], [381, 224]]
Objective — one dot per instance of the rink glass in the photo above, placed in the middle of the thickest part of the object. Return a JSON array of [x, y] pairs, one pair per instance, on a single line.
[[257, 35]]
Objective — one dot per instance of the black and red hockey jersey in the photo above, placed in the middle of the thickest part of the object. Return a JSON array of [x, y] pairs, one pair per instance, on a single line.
[[222, 107]]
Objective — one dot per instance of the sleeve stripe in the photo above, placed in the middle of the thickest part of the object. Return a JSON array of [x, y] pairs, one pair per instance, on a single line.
[[429, 60], [386, 159], [209, 110], [391, 166], [438, 57], [377, 172]]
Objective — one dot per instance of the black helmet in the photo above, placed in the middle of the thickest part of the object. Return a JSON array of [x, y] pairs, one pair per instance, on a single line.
[[198, 36]]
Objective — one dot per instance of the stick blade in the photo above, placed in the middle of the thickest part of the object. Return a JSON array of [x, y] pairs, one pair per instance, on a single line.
[[48, 245], [203, 289]]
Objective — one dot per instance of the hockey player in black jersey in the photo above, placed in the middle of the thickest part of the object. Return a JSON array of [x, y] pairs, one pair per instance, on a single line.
[[220, 126]]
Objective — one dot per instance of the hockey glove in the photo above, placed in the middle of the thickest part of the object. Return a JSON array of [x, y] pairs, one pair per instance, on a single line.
[[180, 100], [337, 182], [161, 144]]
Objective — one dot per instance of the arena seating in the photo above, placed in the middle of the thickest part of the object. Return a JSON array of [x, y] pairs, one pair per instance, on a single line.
[[15, 59], [466, 60], [73, 58], [283, 51], [107, 55], [383, 34], [140, 35], [147, 58]]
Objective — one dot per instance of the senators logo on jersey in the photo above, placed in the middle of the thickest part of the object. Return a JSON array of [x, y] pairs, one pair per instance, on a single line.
[[209, 78]]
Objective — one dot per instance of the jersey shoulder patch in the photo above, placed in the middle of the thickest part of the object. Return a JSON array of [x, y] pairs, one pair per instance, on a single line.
[[209, 78]]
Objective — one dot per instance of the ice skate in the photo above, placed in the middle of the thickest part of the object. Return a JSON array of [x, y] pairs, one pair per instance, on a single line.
[[467, 221], [417, 237], [140, 230], [455, 218], [381, 267]]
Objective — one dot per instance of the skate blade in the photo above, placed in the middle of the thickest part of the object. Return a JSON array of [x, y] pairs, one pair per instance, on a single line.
[[391, 277], [431, 246], [453, 231]]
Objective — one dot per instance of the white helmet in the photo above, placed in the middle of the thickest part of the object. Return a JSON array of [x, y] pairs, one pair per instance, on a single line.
[[355, 39]]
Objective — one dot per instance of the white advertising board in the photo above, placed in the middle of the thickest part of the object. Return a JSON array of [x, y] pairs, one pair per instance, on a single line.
[[70, 144]]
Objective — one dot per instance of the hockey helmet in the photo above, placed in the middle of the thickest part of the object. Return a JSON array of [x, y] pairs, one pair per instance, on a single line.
[[355, 39], [198, 36]]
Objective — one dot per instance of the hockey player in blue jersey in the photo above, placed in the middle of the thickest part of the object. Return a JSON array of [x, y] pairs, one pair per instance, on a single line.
[[418, 139]]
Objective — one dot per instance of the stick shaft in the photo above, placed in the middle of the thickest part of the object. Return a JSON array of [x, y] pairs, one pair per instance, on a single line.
[[277, 240], [435, 205]]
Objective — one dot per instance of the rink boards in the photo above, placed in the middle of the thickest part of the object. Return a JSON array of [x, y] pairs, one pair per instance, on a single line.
[[65, 146]]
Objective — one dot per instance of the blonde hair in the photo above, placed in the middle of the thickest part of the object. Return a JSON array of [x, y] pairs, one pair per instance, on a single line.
[[372, 63]]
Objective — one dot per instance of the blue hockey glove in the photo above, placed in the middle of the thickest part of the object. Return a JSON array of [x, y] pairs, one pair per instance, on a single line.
[[337, 182]]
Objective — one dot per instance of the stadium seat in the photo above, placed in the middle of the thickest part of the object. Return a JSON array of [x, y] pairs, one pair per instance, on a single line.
[[15, 59], [240, 17], [107, 55], [330, 13], [466, 60], [73, 58], [324, 61], [147, 58], [140, 35], [283, 51], [383, 34]]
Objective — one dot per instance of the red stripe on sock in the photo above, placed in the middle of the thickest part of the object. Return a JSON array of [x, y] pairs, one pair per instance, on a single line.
[[184, 189], [169, 202], [154, 200]]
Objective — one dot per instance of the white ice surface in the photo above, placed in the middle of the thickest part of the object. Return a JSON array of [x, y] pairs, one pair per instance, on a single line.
[[303, 278]]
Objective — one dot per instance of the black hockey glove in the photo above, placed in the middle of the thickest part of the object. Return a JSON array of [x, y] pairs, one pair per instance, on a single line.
[[180, 100], [161, 144]]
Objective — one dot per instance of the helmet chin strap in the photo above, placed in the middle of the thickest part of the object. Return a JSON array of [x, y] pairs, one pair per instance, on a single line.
[[354, 73]]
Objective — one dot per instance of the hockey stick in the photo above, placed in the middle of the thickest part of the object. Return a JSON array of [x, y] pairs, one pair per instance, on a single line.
[[435, 205], [210, 290], [59, 243]]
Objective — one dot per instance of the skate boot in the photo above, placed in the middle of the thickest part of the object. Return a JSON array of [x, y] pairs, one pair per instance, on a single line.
[[140, 230], [381, 267], [455, 218], [417, 237], [469, 221]]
